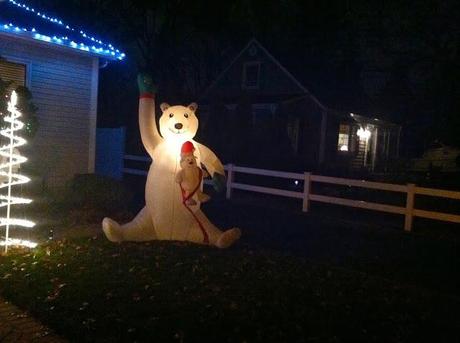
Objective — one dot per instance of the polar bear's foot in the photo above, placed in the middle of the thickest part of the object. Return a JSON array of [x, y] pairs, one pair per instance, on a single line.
[[112, 230], [228, 238]]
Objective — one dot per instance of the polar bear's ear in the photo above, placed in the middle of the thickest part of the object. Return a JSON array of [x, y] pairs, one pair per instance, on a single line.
[[193, 106], [164, 106]]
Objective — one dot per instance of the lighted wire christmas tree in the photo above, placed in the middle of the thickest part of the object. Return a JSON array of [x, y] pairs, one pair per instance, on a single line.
[[9, 175]]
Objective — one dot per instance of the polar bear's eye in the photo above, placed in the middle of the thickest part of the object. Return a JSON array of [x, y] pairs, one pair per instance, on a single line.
[[186, 115], [171, 115]]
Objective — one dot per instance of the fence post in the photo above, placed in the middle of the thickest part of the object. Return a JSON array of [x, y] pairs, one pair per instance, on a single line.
[[229, 180], [306, 191], [409, 207]]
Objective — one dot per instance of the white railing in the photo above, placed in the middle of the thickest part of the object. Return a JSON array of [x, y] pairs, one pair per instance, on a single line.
[[411, 190]]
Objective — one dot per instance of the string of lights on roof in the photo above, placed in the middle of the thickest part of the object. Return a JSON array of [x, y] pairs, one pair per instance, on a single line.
[[107, 50]]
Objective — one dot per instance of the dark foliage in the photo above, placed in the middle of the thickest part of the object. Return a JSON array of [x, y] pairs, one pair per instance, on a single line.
[[90, 191], [25, 105]]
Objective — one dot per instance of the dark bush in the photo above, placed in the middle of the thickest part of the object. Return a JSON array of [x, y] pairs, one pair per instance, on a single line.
[[91, 191]]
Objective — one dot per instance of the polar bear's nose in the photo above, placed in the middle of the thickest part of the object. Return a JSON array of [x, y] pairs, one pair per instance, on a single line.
[[178, 126]]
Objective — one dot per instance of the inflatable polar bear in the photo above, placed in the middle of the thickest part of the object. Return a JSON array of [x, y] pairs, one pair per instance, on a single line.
[[165, 215]]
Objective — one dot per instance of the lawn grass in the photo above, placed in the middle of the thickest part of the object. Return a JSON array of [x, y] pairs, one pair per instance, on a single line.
[[89, 289], [321, 277]]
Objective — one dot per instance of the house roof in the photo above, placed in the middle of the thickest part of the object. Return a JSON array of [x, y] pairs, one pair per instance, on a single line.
[[286, 71], [303, 90], [19, 19], [373, 121], [339, 90], [321, 84]]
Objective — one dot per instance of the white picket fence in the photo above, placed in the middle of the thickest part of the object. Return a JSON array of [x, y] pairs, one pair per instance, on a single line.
[[411, 190]]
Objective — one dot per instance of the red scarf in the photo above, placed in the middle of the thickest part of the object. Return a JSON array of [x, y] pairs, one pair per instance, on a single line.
[[185, 198]]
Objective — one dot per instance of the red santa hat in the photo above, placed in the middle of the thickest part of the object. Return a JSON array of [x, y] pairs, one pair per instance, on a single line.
[[187, 148]]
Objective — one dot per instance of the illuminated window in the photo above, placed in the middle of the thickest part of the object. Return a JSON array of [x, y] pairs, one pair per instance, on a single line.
[[251, 75], [344, 137], [14, 73]]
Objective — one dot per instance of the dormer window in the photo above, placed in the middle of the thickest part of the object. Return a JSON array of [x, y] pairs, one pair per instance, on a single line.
[[251, 75]]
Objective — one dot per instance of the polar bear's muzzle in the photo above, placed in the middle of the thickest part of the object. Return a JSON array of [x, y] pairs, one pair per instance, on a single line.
[[178, 128]]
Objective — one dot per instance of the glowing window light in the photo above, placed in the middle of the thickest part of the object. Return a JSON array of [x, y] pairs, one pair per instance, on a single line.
[[364, 133], [110, 52], [343, 137], [9, 176]]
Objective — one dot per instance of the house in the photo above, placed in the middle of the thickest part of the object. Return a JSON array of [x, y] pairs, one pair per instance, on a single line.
[[60, 66], [280, 111]]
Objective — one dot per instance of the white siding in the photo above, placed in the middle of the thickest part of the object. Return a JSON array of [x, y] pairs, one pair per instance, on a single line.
[[64, 88]]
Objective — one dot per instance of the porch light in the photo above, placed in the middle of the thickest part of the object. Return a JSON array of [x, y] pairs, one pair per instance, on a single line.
[[364, 134]]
